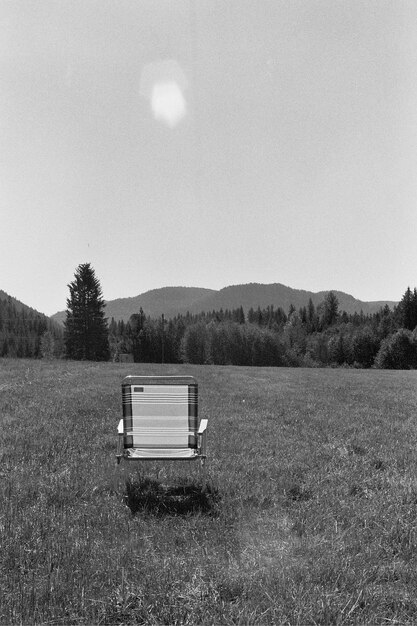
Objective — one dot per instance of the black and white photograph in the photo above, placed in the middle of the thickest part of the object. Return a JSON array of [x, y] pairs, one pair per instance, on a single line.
[[208, 312]]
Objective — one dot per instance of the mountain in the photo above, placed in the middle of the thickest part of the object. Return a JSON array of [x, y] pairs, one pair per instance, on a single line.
[[19, 306], [22, 330], [255, 294], [168, 300], [25, 310], [172, 301]]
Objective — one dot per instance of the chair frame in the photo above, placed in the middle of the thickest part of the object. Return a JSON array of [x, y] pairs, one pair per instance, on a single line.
[[201, 446], [200, 450]]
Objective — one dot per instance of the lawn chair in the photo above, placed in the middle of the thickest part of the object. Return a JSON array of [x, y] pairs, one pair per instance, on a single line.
[[160, 420]]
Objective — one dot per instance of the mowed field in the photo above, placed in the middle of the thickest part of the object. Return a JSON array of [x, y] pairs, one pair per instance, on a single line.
[[309, 514]]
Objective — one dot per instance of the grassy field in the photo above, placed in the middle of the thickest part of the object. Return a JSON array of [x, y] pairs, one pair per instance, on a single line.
[[309, 517]]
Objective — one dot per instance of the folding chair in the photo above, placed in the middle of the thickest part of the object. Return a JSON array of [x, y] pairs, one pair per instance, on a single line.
[[160, 420]]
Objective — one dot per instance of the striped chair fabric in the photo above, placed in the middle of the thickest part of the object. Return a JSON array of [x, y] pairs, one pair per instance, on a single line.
[[160, 417]]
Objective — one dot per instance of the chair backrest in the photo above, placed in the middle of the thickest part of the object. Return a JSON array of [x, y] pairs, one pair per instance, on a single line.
[[160, 411]]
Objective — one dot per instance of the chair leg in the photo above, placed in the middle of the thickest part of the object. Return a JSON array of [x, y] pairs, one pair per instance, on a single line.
[[118, 476], [203, 474]]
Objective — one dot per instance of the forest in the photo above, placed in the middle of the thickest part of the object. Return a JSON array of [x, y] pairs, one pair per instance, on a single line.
[[308, 337], [25, 333]]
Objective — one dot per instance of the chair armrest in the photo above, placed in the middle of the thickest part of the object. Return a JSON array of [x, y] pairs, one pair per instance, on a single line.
[[120, 441], [202, 438]]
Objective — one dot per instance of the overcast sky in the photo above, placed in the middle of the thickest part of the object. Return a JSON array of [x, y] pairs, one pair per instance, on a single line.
[[207, 143]]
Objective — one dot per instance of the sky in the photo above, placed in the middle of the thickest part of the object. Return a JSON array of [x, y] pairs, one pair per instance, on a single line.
[[208, 143]]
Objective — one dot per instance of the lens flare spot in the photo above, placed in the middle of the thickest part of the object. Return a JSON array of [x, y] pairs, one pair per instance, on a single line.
[[168, 103]]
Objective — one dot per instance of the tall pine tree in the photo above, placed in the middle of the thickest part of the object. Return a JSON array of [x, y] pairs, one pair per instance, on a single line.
[[406, 312], [86, 331]]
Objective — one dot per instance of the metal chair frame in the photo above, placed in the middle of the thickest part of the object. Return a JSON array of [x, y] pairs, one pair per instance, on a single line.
[[197, 451]]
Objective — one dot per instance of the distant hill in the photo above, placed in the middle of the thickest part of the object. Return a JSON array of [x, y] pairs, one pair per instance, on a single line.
[[168, 300], [23, 328], [255, 294], [172, 301], [25, 309], [19, 306]]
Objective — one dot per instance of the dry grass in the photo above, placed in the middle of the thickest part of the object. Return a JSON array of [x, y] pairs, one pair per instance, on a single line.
[[308, 516]]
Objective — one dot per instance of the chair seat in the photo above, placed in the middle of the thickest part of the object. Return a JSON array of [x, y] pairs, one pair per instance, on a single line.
[[160, 453]]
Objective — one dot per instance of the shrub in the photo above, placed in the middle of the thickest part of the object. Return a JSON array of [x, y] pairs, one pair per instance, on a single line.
[[398, 351], [365, 347]]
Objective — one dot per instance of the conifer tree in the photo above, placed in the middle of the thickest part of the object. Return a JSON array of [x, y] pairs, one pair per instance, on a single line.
[[406, 312], [330, 309], [86, 331]]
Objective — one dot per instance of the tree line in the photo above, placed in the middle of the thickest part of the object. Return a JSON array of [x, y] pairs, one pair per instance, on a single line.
[[312, 336]]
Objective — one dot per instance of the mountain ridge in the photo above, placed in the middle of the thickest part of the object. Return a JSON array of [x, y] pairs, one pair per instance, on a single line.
[[172, 301], [20, 306]]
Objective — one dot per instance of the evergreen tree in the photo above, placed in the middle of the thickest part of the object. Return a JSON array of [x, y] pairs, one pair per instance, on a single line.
[[86, 332], [291, 310], [312, 322], [330, 309], [251, 316], [386, 322], [406, 312]]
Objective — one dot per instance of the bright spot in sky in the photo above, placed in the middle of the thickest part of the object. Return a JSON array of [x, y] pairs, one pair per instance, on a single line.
[[168, 103], [163, 84]]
